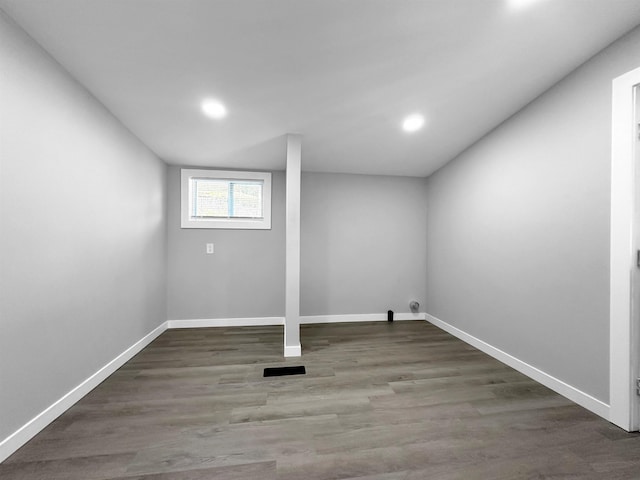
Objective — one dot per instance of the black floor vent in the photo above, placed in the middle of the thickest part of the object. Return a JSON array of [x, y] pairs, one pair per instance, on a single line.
[[279, 371]]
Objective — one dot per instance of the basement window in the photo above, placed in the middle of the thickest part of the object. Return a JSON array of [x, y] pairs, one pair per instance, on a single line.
[[225, 199]]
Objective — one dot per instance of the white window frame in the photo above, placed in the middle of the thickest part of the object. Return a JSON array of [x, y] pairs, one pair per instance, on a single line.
[[186, 174]]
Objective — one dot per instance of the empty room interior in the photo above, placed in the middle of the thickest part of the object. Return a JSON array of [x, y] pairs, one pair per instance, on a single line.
[[319, 239]]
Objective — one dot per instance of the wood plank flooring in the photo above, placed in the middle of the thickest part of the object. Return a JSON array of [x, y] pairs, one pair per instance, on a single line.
[[380, 401]]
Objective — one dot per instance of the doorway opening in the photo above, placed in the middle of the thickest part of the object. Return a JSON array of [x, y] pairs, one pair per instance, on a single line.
[[625, 243], [635, 267]]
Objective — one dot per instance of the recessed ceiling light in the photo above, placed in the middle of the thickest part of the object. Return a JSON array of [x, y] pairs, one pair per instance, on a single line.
[[413, 122], [521, 3], [214, 109]]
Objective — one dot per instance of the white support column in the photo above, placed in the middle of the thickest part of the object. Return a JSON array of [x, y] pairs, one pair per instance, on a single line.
[[292, 346]]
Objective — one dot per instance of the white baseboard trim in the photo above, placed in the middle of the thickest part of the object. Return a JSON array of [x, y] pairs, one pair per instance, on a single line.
[[292, 350], [367, 317], [261, 321], [25, 433], [578, 396], [225, 322]]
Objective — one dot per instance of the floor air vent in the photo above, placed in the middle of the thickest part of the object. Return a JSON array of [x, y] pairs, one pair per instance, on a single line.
[[279, 371]]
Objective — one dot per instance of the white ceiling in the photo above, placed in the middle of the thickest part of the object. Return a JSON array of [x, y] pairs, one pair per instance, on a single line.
[[342, 73]]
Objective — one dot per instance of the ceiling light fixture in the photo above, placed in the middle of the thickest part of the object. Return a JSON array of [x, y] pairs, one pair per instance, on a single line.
[[413, 122], [214, 109], [518, 4]]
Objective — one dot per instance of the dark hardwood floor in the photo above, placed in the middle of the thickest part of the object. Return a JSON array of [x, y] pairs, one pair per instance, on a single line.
[[379, 401]]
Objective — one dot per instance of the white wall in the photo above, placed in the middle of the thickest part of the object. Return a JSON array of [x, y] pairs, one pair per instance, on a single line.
[[245, 275], [362, 243], [82, 233], [518, 251]]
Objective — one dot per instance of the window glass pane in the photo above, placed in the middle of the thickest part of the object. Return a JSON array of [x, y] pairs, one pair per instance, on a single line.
[[246, 200], [225, 199], [210, 198]]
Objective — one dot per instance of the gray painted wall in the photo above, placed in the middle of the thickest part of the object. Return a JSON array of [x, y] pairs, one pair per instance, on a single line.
[[362, 251], [362, 243], [245, 275], [82, 233], [518, 251]]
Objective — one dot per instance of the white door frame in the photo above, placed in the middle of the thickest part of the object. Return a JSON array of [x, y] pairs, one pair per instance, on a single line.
[[623, 335]]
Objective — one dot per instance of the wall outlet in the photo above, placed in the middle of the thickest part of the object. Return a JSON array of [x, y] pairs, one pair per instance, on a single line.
[[209, 248]]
